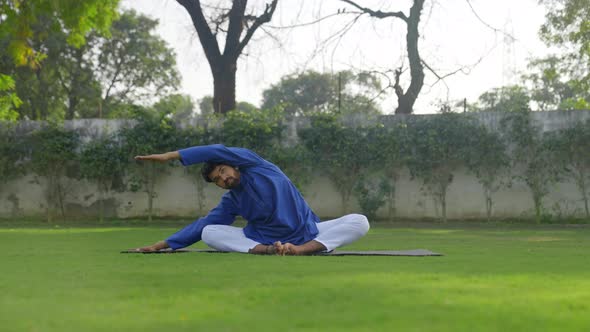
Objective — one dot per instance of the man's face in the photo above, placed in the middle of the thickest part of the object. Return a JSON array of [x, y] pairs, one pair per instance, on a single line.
[[225, 176]]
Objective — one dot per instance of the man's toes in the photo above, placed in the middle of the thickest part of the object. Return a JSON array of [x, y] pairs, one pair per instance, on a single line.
[[279, 248], [290, 249]]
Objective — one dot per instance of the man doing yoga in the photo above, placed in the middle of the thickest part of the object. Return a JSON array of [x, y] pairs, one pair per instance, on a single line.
[[280, 222]]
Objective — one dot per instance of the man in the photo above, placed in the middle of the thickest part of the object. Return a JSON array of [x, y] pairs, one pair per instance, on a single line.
[[279, 220]]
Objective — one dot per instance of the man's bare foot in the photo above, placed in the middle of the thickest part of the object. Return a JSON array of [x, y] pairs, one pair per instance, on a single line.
[[279, 248], [292, 250], [262, 249], [307, 248], [287, 249]]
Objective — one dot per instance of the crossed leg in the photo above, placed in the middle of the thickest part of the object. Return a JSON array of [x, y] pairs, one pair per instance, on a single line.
[[332, 234]]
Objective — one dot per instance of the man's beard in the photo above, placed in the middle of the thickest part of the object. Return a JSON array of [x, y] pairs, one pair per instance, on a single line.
[[232, 183]]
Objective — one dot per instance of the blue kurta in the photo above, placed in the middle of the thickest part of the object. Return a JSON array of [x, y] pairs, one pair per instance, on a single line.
[[265, 197]]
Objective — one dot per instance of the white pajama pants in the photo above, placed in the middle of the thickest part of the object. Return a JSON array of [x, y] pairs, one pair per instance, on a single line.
[[332, 234]]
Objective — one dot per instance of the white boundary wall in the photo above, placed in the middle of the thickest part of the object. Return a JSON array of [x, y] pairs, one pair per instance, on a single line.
[[177, 196]]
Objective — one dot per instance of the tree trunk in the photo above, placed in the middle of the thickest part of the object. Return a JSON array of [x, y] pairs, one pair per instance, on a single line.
[[101, 196], [75, 84], [224, 87], [537, 200], [223, 64], [201, 196], [580, 178], [406, 100], [489, 203], [72, 105], [443, 204], [61, 198], [151, 188], [392, 206], [345, 200]]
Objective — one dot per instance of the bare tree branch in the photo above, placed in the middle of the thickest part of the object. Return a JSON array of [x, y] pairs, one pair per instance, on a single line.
[[260, 20], [312, 22], [208, 40], [378, 13], [496, 30]]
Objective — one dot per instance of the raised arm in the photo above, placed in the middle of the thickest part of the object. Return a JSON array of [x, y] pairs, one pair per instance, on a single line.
[[161, 157], [224, 214], [219, 153], [207, 153]]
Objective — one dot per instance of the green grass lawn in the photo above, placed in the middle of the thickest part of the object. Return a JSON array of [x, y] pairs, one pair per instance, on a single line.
[[500, 278]]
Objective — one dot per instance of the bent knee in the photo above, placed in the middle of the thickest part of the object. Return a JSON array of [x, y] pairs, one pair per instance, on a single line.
[[361, 223], [208, 234]]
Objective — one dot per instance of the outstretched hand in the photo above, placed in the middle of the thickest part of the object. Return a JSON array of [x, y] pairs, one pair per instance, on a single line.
[[153, 157]]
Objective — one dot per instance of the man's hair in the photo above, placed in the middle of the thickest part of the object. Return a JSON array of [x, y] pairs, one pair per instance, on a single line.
[[207, 169]]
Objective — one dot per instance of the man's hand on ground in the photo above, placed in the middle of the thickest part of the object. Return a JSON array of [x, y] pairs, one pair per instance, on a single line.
[[146, 249], [154, 247]]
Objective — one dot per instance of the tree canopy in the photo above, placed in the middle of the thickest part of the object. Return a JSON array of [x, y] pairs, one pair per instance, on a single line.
[[312, 92], [75, 17]]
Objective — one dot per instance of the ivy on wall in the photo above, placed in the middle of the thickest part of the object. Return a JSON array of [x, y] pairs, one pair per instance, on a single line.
[[533, 157], [103, 162], [54, 157], [363, 162]]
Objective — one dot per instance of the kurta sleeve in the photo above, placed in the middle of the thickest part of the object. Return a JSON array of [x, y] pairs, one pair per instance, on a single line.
[[219, 153], [223, 214]]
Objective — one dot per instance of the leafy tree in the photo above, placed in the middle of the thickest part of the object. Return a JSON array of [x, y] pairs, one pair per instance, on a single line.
[[206, 105], [295, 161], [22, 41], [302, 94], [244, 106], [340, 152], [390, 145], [567, 26], [102, 160], [487, 158], [371, 193], [257, 130], [311, 92], [549, 85], [77, 19], [179, 107], [75, 75], [134, 63], [9, 101], [238, 27], [153, 133], [54, 157], [11, 154], [41, 97], [506, 99], [572, 149], [438, 150], [532, 155]]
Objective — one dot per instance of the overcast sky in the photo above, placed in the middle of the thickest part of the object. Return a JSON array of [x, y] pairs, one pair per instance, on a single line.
[[452, 37]]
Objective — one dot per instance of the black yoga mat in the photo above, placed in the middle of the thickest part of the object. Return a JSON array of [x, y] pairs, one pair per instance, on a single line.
[[413, 252]]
